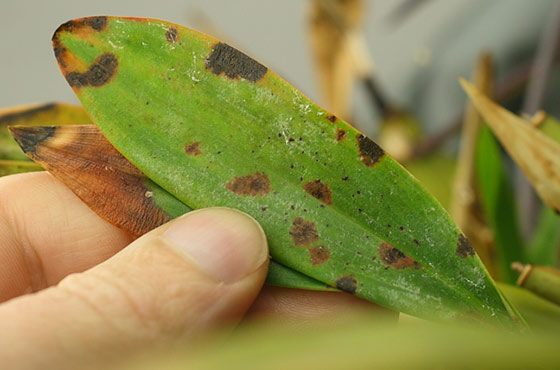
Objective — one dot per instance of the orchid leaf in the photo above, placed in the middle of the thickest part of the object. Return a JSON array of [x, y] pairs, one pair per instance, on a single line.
[[213, 127], [34, 115]]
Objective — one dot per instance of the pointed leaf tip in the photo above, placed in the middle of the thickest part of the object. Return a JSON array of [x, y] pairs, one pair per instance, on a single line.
[[537, 155], [28, 137]]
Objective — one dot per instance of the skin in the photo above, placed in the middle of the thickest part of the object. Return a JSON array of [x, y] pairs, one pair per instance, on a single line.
[[72, 292]]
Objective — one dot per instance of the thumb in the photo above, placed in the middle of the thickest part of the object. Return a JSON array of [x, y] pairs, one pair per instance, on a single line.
[[198, 271]]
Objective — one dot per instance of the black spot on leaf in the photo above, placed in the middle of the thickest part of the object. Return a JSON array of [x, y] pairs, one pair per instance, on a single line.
[[392, 257], [234, 64], [98, 74], [370, 152], [28, 137], [464, 247], [332, 118], [340, 135], [347, 284]]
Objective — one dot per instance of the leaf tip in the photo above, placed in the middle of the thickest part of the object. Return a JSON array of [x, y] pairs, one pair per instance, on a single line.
[[28, 137]]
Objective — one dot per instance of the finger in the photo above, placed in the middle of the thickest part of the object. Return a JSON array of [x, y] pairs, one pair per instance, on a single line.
[[303, 308], [195, 272], [47, 233]]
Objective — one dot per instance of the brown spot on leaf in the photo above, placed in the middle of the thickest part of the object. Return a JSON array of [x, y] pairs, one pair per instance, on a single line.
[[98, 74], [319, 190], [340, 135], [332, 118], [256, 184], [193, 148], [370, 152], [234, 64], [303, 232], [392, 257], [347, 284], [319, 255], [172, 35], [464, 247]]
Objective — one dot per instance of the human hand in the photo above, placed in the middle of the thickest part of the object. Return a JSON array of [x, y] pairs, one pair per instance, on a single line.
[[72, 294]]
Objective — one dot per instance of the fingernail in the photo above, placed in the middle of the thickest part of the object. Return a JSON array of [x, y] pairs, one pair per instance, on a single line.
[[224, 243]]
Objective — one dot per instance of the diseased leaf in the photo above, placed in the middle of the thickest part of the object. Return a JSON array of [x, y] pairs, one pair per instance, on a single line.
[[35, 115], [535, 153], [214, 127]]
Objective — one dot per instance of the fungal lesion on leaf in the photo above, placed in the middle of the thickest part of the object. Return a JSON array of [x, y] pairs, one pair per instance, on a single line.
[[347, 283], [172, 35], [319, 255], [392, 257], [332, 118], [464, 247], [234, 64], [98, 74], [303, 232], [193, 148], [256, 184], [319, 190], [370, 152], [340, 134]]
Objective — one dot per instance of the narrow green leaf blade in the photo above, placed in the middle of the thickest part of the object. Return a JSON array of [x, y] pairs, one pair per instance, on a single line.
[[545, 246], [215, 128], [498, 203]]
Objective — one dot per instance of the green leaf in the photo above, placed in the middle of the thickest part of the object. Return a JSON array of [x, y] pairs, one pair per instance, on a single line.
[[499, 204], [213, 127], [545, 245]]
